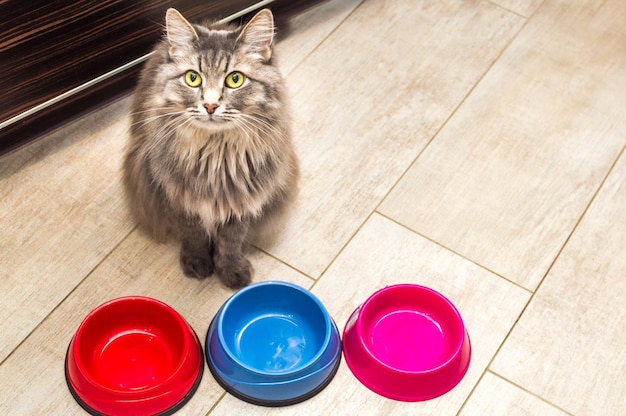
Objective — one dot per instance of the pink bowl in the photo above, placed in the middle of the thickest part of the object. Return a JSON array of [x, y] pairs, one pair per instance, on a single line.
[[407, 342], [133, 355]]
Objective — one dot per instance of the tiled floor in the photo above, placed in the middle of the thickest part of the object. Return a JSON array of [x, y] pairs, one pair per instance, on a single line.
[[476, 147]]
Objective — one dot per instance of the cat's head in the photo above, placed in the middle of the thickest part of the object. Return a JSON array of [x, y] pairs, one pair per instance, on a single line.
[[217, 76]]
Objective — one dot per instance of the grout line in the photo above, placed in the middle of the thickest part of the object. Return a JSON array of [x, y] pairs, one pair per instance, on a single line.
[[217, 402], [343, 247], [513, 11], [493, 357], [281, 261], [528, 392], [471, 393], [456, 253], [580, 218]]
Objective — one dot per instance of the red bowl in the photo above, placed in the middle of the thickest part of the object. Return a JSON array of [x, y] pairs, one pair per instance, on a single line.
[[133, 355]]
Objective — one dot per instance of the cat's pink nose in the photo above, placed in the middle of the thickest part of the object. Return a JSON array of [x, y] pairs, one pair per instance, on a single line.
[[210, 108]]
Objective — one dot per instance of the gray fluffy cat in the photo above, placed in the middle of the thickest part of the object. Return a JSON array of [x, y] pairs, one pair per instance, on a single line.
[[210, 151]]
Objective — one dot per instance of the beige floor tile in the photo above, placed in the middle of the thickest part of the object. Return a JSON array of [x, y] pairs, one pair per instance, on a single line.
[[568, 347], [368, 100], [61, 211], [497, 397], [523, 7], [308, 29], [508, 177], [384, 253], [32, 379], [502, 185]]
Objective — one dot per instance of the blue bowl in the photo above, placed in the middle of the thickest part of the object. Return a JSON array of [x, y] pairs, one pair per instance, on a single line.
[[273, 344]]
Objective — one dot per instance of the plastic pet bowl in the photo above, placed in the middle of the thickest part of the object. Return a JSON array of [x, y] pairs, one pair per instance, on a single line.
[[273, 344], [408, 343], [133, 356]]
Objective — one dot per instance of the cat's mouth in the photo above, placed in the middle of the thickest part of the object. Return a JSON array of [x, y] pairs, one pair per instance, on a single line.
[[211, 121]]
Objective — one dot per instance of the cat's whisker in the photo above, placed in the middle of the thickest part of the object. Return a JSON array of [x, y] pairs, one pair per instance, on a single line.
[[151, 109], [254, 121], [264, 119], [245, 127], [252, 132], [143, 121], [165, 131], [147, 120], [261, 124]]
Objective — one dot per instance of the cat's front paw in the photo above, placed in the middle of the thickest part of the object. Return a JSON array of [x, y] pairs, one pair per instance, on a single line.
[[234, 271], [195, 265]]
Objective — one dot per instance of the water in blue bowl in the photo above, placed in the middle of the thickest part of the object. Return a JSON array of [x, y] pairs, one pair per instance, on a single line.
[[274, 328]]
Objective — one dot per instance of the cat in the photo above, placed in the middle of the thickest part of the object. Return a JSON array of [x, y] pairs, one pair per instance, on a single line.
[[210, 151]]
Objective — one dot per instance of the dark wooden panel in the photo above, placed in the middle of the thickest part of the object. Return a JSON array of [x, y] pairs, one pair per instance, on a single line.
[[50, 47]]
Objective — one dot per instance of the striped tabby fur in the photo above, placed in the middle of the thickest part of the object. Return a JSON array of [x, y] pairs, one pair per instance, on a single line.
[[205, 162]]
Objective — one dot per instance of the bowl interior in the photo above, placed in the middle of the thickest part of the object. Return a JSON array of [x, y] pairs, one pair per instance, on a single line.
[[411, 328], [131, 344], [274, 328]]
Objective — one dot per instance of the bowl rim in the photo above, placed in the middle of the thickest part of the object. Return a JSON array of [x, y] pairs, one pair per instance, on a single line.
[[82, 367], [451, 308], [254, 286]]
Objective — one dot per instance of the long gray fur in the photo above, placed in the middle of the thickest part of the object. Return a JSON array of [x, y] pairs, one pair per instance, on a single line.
[[205, 163]]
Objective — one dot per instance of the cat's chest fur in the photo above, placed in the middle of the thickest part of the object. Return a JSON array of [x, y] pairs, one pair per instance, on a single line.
[[226, 176]]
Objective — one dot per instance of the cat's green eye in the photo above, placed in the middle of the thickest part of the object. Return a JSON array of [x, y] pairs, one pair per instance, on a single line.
[[235, 79], [193, 79]]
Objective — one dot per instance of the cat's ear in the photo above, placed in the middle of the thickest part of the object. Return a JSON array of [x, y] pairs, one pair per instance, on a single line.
[[180, 34], [257, 36]]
